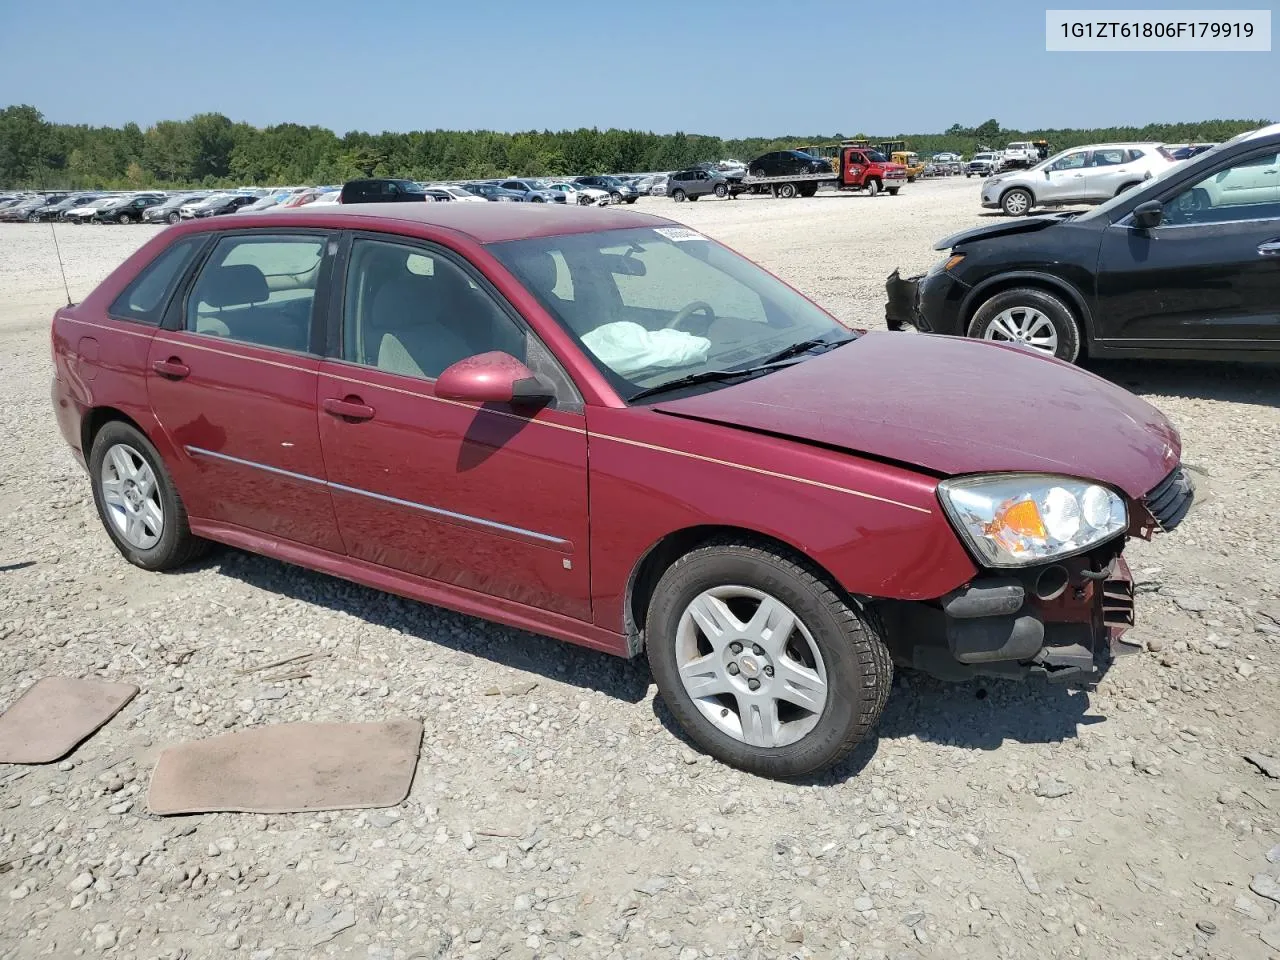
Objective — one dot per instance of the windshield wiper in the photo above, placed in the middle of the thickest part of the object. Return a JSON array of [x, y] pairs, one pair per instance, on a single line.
[[803, 346], [705, 376]]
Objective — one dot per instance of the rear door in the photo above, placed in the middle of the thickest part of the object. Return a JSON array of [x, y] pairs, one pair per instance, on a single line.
[[1109, 169], [489, 499], [1209, 275], [232, 380]]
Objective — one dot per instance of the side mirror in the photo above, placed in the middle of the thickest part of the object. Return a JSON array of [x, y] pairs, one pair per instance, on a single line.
[[1047, 171], [493, 377], [1149, 214]]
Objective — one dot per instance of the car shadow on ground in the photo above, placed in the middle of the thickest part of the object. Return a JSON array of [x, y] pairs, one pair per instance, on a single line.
[[1252, 383], [563, 662], [976, 715]]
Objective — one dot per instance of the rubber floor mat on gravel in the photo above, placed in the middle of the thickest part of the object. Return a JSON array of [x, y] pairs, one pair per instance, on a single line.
[[55, 715], [289, 768]]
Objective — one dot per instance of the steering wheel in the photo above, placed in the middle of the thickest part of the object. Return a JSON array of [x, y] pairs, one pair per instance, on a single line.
[[688, 310]]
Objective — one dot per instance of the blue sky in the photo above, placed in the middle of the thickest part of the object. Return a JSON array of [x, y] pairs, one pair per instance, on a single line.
[[726, 68]]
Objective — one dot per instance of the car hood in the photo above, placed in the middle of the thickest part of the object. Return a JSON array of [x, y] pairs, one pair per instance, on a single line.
[[952, 406], [1003, 228]]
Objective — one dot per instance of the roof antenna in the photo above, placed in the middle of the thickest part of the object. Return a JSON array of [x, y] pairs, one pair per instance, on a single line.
[[53, 232]]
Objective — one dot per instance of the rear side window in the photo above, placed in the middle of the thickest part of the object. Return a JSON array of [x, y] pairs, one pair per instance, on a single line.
[[259, 290], [144, 300]]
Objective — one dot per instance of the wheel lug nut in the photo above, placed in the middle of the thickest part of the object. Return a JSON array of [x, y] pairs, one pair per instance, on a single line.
[[753, 684], [733, 669], [768, 671], [757, 650], [735, 648]]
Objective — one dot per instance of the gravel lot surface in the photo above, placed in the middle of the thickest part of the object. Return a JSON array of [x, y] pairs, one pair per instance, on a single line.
[[556, 812]]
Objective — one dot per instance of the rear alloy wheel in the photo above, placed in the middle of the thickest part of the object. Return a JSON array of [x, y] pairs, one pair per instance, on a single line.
[[615, 196], [678, 196], [721, 191], [762, 662], [1029, 318], [137, 501], [787, 190], [1016, 202]]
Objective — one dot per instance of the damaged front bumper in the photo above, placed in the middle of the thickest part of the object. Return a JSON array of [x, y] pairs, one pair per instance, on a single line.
[[902, 306], [1064, 621]]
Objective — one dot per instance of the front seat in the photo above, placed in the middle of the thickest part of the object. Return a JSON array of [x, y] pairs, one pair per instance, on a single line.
[[420, 324]]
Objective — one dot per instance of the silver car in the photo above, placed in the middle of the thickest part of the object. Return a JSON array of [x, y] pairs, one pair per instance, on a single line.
[[1081, 175]]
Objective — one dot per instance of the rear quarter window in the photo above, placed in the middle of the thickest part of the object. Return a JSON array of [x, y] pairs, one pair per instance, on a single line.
[[145, 298]]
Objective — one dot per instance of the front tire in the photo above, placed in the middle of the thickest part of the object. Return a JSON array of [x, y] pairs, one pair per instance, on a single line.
[[873, 187], [763, 663], [787, 191], [1031, 318], [721, 191], [138, 502], [125, 219], [175, 217], [615, 196], [1017, 202]]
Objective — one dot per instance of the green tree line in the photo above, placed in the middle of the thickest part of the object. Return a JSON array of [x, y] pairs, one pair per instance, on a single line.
[[210, 150]]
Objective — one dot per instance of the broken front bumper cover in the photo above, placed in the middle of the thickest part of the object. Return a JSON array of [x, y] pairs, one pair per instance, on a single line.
[[1013, 626], [902, 306]]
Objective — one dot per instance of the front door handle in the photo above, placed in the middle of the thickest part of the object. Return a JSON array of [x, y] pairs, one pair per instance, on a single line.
[[348, 408], [173, 369], [1270, 249]]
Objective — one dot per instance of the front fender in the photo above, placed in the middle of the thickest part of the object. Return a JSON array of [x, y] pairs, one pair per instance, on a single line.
[[981, 291], [877, 529]]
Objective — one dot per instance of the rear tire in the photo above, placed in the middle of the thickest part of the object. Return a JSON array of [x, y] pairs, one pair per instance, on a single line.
[[787, 190], [679, 196], [174, 217], [693, 198], [893, 191], [1000, 317], [811, 639], [125, 219], [808, 190], [615, 196], [1126, 186], [176, 545]]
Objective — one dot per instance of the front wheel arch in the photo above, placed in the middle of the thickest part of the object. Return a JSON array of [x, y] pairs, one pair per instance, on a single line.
[[1054, 286], [655, 561]]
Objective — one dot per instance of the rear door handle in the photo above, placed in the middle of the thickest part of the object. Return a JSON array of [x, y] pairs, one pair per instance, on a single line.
[[348, 408], [173, 368], [1270, 249]]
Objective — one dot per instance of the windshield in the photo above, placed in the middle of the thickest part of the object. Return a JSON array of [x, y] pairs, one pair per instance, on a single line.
[[875, 156], [537, 184], [653, 305]]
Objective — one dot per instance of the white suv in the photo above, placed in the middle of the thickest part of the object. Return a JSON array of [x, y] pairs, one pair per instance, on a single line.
[[1081, 175]]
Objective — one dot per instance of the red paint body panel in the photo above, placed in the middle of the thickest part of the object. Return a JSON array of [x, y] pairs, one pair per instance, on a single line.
[[925, 400], [487, 465], [418, 588], [642, 491], [252, 404]]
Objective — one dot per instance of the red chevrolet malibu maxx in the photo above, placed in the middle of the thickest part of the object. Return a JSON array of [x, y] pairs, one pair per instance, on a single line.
[[604, 427]]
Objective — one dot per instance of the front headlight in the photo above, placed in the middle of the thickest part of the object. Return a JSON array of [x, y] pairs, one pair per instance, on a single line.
[[1016, 520]]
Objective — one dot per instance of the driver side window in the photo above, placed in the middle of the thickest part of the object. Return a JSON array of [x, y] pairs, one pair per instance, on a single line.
[[1072, 161], [1247, 190]]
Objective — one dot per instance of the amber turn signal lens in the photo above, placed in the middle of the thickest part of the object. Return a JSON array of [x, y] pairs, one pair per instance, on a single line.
[[1022, 518], [954, 260]]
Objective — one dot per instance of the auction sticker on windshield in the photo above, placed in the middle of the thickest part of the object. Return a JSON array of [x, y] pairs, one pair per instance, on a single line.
[[677, 234]]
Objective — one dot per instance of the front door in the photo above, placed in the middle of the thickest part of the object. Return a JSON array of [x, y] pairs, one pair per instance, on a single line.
[[1210, 273], [1064, 179], [492, 499], [232, 380]]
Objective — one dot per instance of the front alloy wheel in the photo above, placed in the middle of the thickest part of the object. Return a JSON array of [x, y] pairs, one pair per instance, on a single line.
[[763, 662], [1029, 317]]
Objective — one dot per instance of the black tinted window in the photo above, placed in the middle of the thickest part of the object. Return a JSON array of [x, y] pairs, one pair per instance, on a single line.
[[144, 300]]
